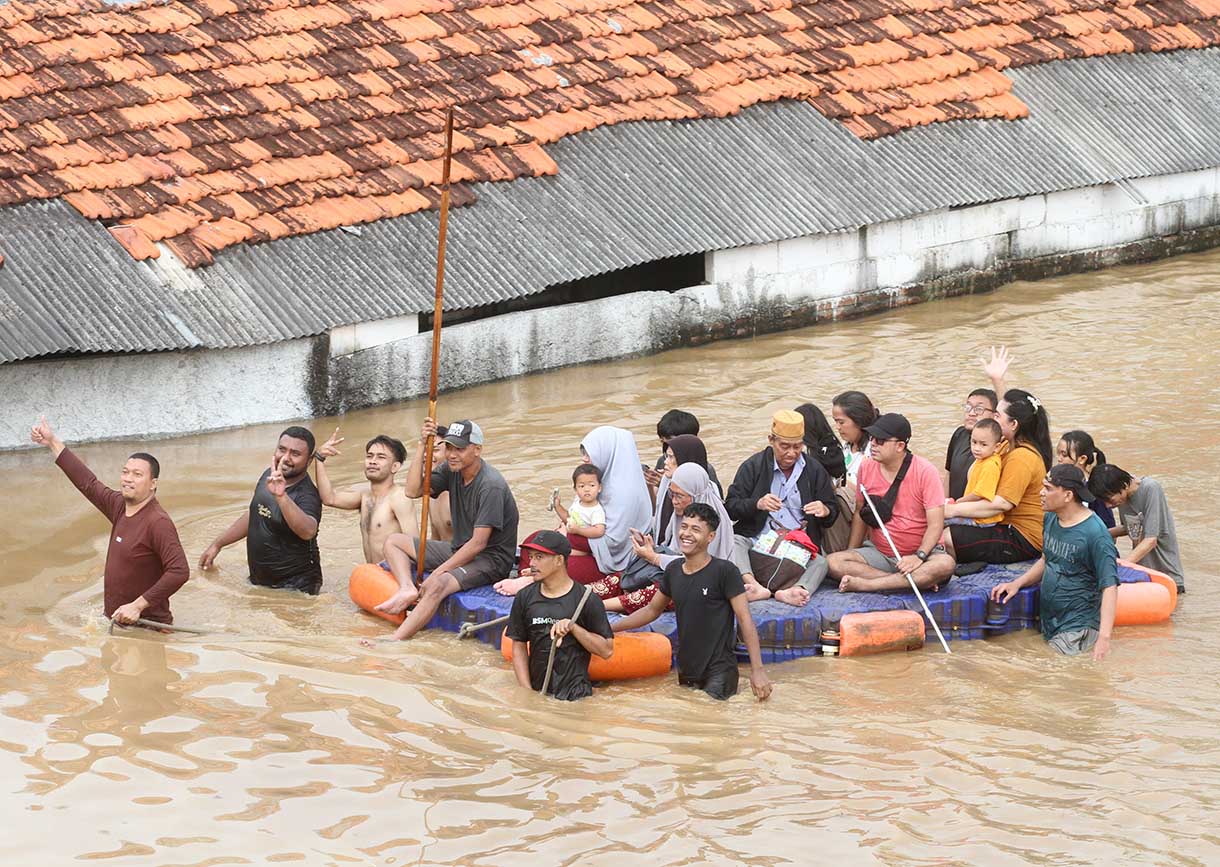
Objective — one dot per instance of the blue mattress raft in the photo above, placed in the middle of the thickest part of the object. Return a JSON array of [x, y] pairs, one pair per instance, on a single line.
[[961, 609]]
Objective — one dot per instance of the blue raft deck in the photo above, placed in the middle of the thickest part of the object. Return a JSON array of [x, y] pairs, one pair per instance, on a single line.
[[786, 632]]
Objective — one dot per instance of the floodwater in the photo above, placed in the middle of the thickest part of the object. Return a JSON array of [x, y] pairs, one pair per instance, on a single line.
[[280, 739]]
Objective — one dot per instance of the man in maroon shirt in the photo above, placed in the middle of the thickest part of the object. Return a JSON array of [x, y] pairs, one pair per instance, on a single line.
[[145, 564]]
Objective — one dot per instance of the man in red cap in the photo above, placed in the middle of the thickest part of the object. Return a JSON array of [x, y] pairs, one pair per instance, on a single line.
[[545, 612]]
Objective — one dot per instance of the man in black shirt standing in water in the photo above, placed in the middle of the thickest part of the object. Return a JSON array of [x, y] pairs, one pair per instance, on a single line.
[[281, 525], [708, 594], [542, 613]]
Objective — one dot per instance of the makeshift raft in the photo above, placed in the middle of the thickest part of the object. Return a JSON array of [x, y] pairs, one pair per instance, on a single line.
[[962, 608]]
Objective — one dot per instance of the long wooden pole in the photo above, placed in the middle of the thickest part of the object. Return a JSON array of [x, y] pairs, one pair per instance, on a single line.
[[437, 312]]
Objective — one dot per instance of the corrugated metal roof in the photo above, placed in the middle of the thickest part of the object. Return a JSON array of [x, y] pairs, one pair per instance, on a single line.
[[624, 195]]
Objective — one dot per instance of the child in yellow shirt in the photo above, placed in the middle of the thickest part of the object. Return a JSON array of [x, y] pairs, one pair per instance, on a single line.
[[984, 476]]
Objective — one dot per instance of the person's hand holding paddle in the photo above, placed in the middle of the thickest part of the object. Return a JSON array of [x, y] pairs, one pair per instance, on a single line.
[[559, 629], [131, 612]]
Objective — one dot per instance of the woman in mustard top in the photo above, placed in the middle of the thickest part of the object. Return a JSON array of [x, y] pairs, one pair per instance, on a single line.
[[1018, 534]]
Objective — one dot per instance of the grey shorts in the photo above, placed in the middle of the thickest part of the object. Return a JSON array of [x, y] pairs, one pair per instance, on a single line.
[[479, 572], [1074, 642], [875, 558]]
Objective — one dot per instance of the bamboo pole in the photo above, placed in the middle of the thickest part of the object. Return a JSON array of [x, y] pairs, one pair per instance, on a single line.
[[421, 552]]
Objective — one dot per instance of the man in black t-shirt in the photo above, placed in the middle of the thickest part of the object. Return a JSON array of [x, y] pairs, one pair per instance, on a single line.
[[980, 404], [542, 613], [708, 595], [281, 525]]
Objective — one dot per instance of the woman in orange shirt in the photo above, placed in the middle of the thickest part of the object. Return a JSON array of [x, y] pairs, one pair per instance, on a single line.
[[1018, 534]]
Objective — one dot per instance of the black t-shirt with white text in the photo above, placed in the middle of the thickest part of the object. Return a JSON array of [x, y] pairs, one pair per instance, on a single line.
[[277, 556], [707, 628], [530, 621]]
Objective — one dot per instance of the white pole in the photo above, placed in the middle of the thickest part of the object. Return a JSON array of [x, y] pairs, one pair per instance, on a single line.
[[910, 580]]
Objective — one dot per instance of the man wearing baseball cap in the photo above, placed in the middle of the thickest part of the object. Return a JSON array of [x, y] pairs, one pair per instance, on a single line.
[[544, 612], [779, 488], [1078, 568], [484, 527], [908, 494]]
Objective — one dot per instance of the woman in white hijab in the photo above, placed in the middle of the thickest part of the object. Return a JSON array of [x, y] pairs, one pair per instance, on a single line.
[[690, 483]]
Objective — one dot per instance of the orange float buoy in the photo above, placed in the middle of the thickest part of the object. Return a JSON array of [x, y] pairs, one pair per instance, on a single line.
[[371, 585], [879, 631], [1156, 577], [636, 654], [1144, 603]]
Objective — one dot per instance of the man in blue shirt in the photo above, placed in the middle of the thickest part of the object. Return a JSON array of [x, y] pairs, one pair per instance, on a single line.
[[1078, 568]]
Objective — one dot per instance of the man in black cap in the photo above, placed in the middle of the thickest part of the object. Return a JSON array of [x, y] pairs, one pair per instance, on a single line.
[[907, 493], [484, 527], [545, 612], [1078, 568]]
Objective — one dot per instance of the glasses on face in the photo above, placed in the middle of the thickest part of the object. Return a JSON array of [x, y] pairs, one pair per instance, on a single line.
[[878, 441], [976, 409]]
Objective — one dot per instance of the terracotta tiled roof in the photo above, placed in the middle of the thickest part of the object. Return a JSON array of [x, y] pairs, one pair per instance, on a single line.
[[206, 123]]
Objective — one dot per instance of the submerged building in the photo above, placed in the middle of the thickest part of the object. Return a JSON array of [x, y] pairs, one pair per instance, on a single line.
[[220, 212]]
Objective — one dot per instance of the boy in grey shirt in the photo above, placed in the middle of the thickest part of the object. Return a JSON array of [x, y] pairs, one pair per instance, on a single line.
[[1143, 514]]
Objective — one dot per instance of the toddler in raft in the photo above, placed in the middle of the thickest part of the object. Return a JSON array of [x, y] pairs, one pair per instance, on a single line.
[[984, 477], [585, 519]]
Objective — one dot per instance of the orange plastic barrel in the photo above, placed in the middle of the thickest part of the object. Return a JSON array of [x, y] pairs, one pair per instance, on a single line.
[[879, 632], [636, 654], [371, 585], [1141, 604]]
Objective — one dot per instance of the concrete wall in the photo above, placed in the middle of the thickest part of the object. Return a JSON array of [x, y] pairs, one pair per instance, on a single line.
[[750, 290]]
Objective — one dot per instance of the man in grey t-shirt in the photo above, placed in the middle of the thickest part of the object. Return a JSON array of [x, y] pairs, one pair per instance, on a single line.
[[1143, 514], [484, 527]]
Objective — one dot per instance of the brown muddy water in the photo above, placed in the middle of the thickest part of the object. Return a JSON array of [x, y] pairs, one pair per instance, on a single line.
[[288, 742]]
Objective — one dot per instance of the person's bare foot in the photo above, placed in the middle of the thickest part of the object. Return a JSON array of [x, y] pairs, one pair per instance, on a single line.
[[511, 586], [853, 584], [399, 602], [796, 596], [755, 592]]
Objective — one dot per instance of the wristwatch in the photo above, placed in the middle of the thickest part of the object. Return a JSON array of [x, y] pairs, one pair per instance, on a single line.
[[922, 555]]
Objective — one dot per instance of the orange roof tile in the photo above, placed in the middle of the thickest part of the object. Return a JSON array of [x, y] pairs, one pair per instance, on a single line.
[[207, 123]]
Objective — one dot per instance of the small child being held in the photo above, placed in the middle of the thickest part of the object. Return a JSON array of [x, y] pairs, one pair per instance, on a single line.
[[984, 475], [585, 519]]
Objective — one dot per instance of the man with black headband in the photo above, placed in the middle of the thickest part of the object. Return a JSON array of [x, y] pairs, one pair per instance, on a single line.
[[1078, 568], [907, 492]]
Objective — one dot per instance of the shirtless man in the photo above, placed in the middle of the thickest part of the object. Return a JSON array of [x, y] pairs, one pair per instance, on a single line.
[[384, 507]]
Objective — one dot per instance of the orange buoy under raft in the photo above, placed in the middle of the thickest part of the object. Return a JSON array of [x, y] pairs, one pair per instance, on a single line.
[[636, 654], [1143, 603], [371, 585], [880, 632]]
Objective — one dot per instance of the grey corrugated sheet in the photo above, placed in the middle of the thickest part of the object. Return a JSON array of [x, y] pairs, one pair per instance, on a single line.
[[624, 195]]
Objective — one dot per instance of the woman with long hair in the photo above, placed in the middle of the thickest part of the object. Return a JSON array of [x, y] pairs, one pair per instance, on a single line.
[[853, 412], [1017, 535], [1076, 447]]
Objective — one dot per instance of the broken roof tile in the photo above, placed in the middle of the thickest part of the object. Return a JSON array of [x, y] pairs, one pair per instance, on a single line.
[[211, 123]]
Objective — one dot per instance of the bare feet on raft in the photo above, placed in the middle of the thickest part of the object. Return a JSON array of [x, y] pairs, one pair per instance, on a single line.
[[755, 592], [511, 586], [795, 596], [399, 602], [854, 584]]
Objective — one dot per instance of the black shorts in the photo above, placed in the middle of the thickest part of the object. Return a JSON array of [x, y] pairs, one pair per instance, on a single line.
[[479, 572], [720, 680], [991, 543]]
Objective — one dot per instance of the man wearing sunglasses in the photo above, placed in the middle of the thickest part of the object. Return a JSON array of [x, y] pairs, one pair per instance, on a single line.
[[907, 493]]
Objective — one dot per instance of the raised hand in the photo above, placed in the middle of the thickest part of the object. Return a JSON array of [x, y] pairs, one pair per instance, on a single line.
[[330, 448], [41, 433], [276, 486], [997, 367]]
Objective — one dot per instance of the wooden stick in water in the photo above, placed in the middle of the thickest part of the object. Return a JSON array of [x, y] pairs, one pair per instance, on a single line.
[[168, 627], [421, 552]]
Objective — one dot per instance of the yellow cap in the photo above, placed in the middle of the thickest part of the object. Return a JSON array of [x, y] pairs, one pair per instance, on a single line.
[[788, 424]]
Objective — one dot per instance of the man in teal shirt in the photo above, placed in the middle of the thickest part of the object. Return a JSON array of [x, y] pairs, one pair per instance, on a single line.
[[1078, 568]]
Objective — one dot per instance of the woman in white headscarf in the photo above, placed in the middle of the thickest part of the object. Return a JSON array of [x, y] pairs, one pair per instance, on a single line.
[[690, 483], [624, 495]]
